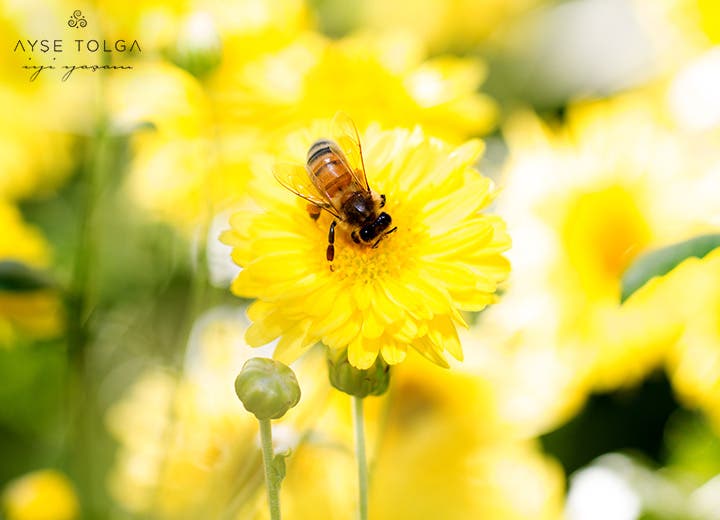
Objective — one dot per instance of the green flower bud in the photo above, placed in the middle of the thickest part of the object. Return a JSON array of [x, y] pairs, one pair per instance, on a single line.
[[267, 388], [353, 381]]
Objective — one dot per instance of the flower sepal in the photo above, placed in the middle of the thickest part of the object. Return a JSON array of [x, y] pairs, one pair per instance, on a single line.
[[354, 381]]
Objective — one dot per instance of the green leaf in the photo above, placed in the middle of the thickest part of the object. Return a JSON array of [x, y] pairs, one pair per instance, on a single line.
[[277, 467], [662, 261], [18, 277]]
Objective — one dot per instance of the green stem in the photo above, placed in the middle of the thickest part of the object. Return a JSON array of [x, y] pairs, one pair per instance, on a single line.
[[271, 480], [82, 443], [359, 422]]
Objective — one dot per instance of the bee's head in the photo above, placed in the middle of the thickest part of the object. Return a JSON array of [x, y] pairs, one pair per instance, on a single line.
[[371, 231]]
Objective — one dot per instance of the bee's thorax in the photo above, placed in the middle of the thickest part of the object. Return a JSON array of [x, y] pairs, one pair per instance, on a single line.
[[359, 208]]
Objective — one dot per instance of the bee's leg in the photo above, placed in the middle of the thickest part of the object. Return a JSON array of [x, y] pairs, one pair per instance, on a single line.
[[355, 237], [330, 253], [382, 200], [314, 211], [377, 242]]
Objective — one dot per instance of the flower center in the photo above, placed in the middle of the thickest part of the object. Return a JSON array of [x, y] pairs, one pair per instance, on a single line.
[[603, 233], [363, 263]]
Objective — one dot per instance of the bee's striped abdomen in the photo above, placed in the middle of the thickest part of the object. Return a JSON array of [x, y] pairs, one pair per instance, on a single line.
[[318, 149], [330, 172]]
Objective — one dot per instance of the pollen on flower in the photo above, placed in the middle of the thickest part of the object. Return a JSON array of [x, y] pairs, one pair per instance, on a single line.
[[359, 263]]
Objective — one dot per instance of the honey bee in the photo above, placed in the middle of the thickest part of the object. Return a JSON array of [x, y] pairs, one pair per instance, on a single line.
[[333, 179]]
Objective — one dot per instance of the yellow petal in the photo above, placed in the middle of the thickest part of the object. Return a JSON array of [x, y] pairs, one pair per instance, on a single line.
[[394, 353]]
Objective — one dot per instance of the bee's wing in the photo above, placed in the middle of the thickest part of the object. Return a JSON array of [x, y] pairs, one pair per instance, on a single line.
[[295, 178], [346, 136]]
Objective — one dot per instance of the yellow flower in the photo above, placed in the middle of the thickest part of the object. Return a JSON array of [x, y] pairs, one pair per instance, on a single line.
[[481, 466], [19, 241], [444, 257], [35, 159], [195, 162], [187, 447], [158, 25], [40, 495], [437, 449], [182, 436], [178, 172], [710, 19], [253, 27], [584, 200], [40, 119], [189, 450], [173, 166], [384, 78], [35, 313], [539, 382], [445, 24]]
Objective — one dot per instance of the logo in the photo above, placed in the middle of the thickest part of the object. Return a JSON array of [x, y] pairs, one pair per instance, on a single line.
[[67, 56], [77, 19]]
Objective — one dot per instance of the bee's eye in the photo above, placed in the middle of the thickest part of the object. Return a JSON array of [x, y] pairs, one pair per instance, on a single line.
[[367, 233]]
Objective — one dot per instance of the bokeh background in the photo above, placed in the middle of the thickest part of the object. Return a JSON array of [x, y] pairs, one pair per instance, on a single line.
[[590, 390]]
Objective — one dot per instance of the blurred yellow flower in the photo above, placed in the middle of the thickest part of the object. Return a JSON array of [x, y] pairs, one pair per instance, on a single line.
[[39, 120], [385, 78], [447, 453], [36, 122], [253, 27], [35, 156], [19, 241], [36, 313], [445, 24], [710, 19], [539, 382], [152, 22], [188, 448], [186, 444], [40, 495], [162, 25], [195, 161], [178, 172], [583, 201], [444, 257], [161, 94], [437, 450], [173, 171]]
